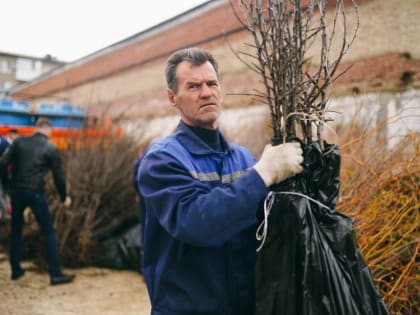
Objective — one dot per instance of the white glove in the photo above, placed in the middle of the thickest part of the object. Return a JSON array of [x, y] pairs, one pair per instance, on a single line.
[[279, 162], [67, 202]]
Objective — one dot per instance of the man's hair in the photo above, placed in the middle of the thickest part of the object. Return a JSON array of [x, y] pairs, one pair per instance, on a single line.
[[194, 55], [43, 122]]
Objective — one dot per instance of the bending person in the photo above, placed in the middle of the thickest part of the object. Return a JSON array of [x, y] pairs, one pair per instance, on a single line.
[[31, 157]]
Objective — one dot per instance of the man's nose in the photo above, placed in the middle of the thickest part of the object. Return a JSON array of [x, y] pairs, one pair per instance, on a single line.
[[205, 90]]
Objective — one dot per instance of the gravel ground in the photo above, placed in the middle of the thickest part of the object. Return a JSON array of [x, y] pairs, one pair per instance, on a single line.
[[95, 291]]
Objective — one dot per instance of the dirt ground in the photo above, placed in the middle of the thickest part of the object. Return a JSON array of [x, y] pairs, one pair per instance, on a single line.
[[95, 291]]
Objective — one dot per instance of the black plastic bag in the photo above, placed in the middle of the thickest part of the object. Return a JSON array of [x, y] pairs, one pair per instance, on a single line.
[[122, 251], [309, 262]]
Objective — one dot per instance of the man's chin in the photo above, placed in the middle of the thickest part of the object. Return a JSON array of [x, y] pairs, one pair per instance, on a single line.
[[210, 123]]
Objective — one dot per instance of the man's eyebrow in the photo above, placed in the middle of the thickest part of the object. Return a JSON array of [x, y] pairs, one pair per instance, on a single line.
[[200, 81], [194, 82]]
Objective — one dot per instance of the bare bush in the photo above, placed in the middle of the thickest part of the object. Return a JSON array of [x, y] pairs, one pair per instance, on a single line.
[[380, 190], [99, 175]]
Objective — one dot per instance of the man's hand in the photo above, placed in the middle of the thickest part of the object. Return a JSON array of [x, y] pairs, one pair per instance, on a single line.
[[67, 202], [279, 162]]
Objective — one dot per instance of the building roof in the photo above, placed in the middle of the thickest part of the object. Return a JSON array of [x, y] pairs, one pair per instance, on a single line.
[[48, 58]]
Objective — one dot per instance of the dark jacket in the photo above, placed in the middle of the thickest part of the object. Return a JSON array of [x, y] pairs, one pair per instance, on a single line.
[[200, 223], [31, 158]]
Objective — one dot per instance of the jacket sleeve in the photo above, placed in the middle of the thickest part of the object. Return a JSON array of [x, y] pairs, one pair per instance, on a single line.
[[190, 210], [58, 176], [4, 163]]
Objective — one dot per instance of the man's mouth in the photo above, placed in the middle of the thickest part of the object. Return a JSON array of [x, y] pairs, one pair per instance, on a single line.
[[207, 104]]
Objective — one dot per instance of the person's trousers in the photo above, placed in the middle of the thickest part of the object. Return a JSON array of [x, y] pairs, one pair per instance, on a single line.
[[21, 199]]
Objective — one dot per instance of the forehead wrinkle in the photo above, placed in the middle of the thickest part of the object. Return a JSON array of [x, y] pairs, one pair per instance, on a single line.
[[203, 70]]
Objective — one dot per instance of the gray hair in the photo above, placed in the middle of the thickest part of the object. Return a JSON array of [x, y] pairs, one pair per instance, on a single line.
[[43, 122], [194, 55]]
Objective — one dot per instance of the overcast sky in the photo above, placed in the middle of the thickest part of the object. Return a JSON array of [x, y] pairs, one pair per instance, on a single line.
[[71, 29]]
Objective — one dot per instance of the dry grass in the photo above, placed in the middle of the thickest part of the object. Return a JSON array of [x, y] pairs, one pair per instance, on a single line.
[[380, 189]]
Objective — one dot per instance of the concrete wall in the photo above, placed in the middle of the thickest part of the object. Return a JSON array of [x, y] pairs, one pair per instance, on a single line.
[[391, 115]]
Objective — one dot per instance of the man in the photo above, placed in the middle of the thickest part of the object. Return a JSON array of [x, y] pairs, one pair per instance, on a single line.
[[31, 157], [200, 194]]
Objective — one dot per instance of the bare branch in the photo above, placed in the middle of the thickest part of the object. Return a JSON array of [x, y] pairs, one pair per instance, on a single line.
[[284, 33]]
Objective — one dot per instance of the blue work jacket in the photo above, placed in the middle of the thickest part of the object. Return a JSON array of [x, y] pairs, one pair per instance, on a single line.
[[200, 222]]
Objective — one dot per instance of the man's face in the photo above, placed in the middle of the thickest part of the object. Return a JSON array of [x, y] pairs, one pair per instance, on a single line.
[[199, 95]]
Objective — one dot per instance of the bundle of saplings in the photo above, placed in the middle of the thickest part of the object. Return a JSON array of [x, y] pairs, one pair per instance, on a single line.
[[308, 261]]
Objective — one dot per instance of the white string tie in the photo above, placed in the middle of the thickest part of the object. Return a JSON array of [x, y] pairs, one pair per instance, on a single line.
[[261, 236], [268, 204]]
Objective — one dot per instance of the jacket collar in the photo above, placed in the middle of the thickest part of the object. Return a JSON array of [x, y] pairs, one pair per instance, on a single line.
[[40, 135], [194, 143]]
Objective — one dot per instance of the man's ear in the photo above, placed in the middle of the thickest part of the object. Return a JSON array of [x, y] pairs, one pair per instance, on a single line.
[[171, 97]]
